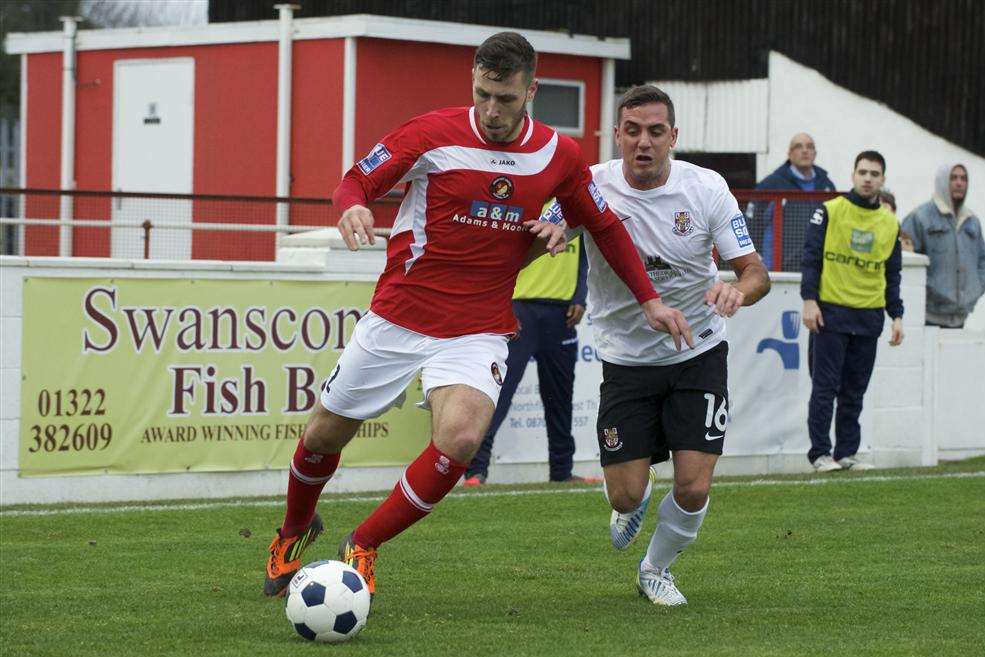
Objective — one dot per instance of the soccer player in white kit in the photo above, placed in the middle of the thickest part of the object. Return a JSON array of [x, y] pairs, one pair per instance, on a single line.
[[656, 398]]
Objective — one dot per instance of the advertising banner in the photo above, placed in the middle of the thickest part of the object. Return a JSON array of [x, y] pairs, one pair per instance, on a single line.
[[768, 385], [152, 375]]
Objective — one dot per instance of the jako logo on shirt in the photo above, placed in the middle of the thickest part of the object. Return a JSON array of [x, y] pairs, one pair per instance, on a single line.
[[376, 157], [597, 197], [741, 231]]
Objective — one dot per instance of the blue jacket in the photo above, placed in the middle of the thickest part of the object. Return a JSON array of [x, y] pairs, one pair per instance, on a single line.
[[956, 275], [783, 178]]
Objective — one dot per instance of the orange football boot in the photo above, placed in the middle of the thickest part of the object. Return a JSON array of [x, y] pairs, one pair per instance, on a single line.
[[361, 559], [285, 557]]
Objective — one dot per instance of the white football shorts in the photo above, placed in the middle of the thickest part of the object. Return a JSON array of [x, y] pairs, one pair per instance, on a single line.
[[382, 359]]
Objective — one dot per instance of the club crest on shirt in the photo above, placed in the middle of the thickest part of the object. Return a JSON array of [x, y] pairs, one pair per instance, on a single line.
[[682, 223], [497, 377], [501, 188], [611, 440]]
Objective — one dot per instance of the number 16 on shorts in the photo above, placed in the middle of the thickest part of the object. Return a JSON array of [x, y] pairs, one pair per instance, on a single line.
[[716, 416]]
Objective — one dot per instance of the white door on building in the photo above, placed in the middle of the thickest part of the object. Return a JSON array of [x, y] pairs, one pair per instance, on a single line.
[[153, 131]]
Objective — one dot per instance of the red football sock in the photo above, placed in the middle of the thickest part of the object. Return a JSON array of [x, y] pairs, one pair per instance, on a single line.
[[309, 474], [428, 479]]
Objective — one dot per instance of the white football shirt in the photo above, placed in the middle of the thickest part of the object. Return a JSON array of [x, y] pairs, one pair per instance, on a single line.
[[674, 228]]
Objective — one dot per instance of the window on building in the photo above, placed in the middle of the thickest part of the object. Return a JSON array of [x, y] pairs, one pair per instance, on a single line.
[[561, 105], [738, 169]]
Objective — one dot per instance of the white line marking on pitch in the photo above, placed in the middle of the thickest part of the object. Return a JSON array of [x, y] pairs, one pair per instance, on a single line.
[[194, 506]]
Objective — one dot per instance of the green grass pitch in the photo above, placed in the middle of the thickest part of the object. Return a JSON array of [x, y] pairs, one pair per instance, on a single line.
[[894, 565]]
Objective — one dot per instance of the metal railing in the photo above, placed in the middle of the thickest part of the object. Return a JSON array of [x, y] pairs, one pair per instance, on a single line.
[[228, 227], [167, 226], [777, 222]]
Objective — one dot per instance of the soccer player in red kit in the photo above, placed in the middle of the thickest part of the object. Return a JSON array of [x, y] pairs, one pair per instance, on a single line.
[[478, 177]]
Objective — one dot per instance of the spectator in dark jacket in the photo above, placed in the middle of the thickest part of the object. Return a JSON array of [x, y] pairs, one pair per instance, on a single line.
[[798, 173]]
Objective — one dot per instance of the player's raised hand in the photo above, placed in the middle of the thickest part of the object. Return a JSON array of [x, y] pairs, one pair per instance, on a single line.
[[669, 320], [356, 227], [725, 298], [551, 233]]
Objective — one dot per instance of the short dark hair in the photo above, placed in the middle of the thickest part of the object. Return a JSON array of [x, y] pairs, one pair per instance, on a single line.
[[645, 94], [872, 156], [504, 54]]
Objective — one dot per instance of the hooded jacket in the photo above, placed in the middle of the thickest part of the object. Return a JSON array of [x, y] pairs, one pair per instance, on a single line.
[[953, 242]]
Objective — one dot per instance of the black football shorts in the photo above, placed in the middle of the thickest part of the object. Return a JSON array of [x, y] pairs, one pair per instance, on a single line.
[[649, 411]]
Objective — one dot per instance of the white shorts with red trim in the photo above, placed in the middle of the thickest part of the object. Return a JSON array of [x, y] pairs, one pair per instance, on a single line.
[[382, 359]]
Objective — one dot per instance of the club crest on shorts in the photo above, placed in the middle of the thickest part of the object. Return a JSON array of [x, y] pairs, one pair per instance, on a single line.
[[682, 223], [611, 440], [497, 376], [501, 188]]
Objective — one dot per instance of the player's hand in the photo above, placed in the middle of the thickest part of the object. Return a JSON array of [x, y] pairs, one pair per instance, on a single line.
[[812, 317], [553, 234], [897, 332], [575, 313], [356, 227], [726, 299], [669, 320]]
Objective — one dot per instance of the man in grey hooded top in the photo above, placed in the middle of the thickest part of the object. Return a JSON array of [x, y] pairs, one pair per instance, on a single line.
[[950, 234]]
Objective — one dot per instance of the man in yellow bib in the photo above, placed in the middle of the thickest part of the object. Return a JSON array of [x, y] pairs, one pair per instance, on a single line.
[[851, 273], [549, 301]]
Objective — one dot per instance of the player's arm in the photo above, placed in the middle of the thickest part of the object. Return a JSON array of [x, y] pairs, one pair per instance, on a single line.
[[752, 283], [388, 163], [731, 237], [582, 205], [810, 269]]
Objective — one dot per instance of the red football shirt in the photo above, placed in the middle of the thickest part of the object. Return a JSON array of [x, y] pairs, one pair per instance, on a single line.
[[458, 242]]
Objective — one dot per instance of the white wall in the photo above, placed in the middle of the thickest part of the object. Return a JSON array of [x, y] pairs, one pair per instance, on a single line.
[[844, 123]]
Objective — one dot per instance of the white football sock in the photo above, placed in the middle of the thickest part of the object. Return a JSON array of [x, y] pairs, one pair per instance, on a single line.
[[676, 530]]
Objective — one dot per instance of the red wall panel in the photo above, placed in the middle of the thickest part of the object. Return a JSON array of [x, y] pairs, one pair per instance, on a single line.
[[316, 116], [43, 144], [234, 141], [398, 80]]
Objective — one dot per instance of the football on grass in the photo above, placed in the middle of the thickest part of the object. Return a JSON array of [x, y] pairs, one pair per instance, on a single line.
[[327, 601]]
